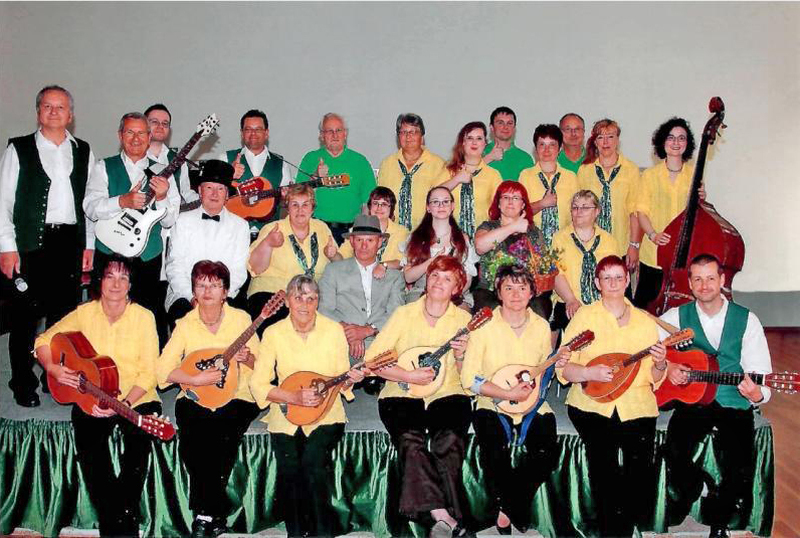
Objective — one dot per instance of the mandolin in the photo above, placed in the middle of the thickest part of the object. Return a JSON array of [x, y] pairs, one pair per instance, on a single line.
[[431, 356], [704, 377], [220, 393], [327, 387], [625, 367], [99, 383]]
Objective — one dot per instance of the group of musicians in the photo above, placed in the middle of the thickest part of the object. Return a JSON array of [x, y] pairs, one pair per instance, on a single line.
[[368, 269]]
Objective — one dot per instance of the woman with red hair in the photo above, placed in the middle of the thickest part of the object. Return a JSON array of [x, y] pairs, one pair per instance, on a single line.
[[431, 488], [509, 228]]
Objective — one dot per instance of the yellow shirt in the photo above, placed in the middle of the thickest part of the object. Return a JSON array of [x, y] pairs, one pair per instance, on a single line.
[[131, 342], [572, 257], [496, 345], [624, 195], [566, 187], [397, 236], [661, 200], [283, 352], [484, 186], [424, 178], [640, 333], [284, 264], [191, 335], [408, 328]]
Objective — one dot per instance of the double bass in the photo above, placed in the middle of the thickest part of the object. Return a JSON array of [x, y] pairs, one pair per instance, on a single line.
[[699, 229]]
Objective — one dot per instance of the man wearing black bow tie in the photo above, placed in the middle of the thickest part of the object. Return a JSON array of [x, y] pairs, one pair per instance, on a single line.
[[209, 232]]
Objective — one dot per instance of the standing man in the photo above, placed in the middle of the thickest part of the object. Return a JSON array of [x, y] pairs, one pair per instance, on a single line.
[[44, 240], [114, 186], [338, 207], [742, 350], [502, 154], [160, 120], [253, 159], [573, 152]]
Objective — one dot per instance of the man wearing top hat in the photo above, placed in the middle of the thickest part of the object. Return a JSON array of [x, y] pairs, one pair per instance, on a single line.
[[209, 232]]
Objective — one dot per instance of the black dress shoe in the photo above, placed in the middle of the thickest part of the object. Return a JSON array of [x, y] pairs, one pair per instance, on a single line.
[[719, 532], [503, 531], [373, 385], [28, 399], [208, 529]]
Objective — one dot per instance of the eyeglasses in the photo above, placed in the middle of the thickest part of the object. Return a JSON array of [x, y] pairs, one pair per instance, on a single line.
[[155, 123], [579, 208], [298, 205], [213, 286], [331, 132], [607, 279], [409, 132], [130, 133], [679, 138], [380, 203], [441, 203], [507, 198], [253, 130]]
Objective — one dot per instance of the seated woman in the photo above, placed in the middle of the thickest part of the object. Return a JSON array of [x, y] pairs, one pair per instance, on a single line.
[[472, 181], [627, 424], [309, 341], [438, 234], [125, 332], [296, 244], [381, 204], [514, 335], [431, 490], [212, 324], [511, 221]]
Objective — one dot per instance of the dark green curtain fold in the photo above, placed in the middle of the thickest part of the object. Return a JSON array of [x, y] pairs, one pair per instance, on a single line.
[[41, 486]]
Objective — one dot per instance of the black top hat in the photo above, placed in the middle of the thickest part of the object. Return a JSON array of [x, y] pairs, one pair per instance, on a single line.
[[214, 171]]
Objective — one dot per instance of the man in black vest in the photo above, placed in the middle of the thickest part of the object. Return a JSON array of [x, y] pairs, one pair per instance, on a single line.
[[43, 233], [160, 120], [743, 349]]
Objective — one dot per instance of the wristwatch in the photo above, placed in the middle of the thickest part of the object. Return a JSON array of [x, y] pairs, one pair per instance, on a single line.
[[374, 328], [634, 245]]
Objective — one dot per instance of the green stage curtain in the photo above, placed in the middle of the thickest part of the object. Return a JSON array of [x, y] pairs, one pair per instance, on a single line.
[[41, 485]]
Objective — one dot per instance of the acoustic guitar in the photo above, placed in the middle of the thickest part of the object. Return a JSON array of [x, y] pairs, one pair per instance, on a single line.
[[704, 377], [327, 387], [431, 356], [220, 393], [538, 376], [99, 383], [625, 367]]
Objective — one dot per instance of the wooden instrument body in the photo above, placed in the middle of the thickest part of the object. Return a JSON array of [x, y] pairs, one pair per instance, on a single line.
[[215, 395], [73, 350], [691, 393], [512, 375], [410, 360], [300, 415], [608, 391], [248, 204]]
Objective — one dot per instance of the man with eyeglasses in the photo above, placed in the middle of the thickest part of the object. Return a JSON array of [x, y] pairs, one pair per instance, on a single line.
[[573, 151], [160, 120], [338, 207], [44, 242], [253, 159], [502, 154]]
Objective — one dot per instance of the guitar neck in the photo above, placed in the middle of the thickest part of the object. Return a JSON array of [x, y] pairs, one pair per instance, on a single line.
[[174, 164], [341, 378], [242, 340], [723, 378], [636, 357], [120, 408]]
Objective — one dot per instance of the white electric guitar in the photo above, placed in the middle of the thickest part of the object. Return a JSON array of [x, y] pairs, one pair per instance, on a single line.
[[128, 232]]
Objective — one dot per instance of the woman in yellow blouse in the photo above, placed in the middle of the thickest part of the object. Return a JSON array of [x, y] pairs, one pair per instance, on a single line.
[[471, 180], [212, 324], [305, 341], [432, 491], [514, 335], [621, 493], [662, 197], [296, 244], [126, 332], [615, 181]]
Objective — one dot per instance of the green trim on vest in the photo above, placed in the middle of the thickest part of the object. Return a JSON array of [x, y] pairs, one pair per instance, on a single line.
[[30, 203], [118, 184], [171, 154], [729, 355], [272, 172]]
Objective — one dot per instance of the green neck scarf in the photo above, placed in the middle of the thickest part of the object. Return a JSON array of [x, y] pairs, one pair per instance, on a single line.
[[549, 214], [301, 256], [404, 198], [604, 220], [467, 216], [589, 293]]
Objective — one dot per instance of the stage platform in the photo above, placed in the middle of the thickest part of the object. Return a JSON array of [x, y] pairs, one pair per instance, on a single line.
[[41, 487]]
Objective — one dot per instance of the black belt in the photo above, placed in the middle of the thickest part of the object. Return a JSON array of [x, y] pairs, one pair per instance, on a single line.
[[59, 226]]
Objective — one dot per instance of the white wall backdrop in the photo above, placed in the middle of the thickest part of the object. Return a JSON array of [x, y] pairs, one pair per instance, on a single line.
[[638, 63]]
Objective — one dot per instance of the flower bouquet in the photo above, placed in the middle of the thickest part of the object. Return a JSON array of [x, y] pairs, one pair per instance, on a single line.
[[539, 260]]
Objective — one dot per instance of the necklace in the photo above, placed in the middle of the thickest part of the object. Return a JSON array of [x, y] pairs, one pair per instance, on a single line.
[[585, 240], [211, 324], [624, 311], [439, 239], [425, 306], [671, 170], [524, 321]]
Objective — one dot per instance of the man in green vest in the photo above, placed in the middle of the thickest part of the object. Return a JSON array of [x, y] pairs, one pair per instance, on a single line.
[[253, 159], [743, 350], [502, 154], [114, 186], [160, 120], [44, 241], [338, 206], [573, 152]]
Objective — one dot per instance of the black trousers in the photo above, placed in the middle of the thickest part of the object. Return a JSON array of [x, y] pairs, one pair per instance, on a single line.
[[429, 479], [256, 302], [115, 498], [53, 277], [209, 443], [734, 436], [649, 285], [305, 467], [505, 490], [623, 494]]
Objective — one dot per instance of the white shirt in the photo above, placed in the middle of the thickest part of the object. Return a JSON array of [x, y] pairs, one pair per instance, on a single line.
[[755, 352], [193, 239], [366, 282], [256, 164], [98, 205], [57, 164], [185, 187]]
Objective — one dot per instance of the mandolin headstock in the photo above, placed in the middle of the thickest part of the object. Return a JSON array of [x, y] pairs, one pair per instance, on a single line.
[[679, 339], [274, 304], [480, 318], [384, 360], [581, 341]]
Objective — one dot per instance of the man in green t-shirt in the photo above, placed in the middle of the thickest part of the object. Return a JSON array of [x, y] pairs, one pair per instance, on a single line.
[[502, 154], [338, 206], [572, 151]]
